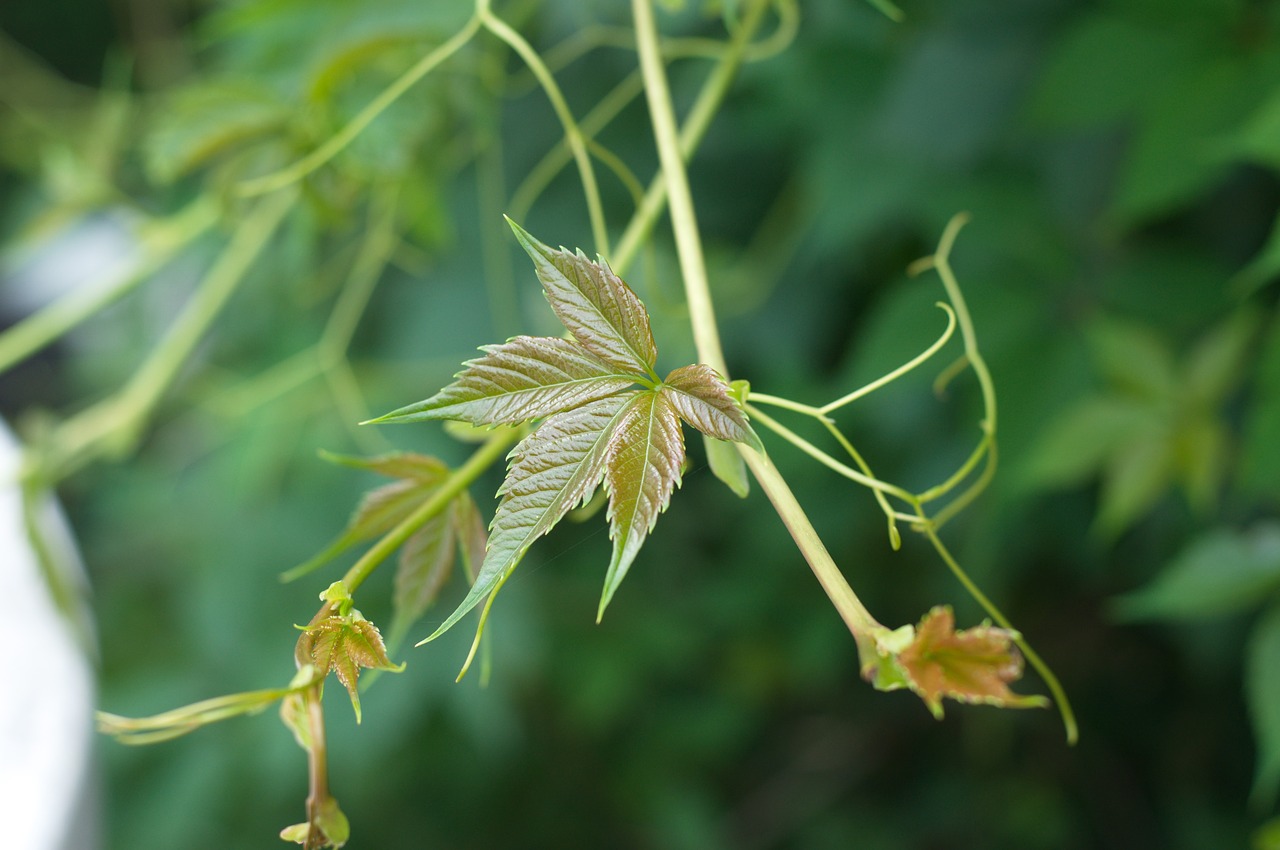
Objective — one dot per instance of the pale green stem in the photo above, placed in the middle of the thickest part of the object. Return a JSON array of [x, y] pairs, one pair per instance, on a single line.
[[339, 141], [461, 478], [788, 404], [572, 132], [38, 330], [901, 370], [317, 764], [707, 338], [541, 175], [825, 459], [695, 127], [379, 242], [895, 539], [684, 221], [620, 170]]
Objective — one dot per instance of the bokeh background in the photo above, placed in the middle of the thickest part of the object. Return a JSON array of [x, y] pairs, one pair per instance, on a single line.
[[1120, 161]]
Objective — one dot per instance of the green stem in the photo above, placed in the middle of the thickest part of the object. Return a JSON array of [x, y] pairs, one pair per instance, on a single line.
[[317, 764], [540, 176], [336, 143], [379, 243], [706, 336], [461, 478], [901, 370], [695, 127], [827, 460], [38, 330], [573, 133]]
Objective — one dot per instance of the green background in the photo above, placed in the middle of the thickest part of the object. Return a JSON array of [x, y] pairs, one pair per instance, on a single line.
[[1120, 161]]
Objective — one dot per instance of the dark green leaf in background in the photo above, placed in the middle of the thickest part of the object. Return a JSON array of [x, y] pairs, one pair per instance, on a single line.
[[1222, 572]]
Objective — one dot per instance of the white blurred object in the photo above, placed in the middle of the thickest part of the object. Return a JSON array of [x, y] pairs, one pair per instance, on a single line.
[[93, 250], [47, 787]]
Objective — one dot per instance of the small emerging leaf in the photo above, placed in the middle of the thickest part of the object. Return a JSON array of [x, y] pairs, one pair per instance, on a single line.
[[525, 378], [345, 645], [974, 665], [601, 311], [642, 469], [702, 399]]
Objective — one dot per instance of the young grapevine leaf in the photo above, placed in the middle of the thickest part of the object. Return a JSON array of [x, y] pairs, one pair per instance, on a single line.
[[524, 378], [642, 468], [345, 644], [601, 311], [555, 468], [974, 665], [596, 425], [702, 399]]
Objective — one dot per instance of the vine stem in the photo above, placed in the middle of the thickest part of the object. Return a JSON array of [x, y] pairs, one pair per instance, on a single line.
[[461, 478], [706, 334], [572, 132], [696, 123]]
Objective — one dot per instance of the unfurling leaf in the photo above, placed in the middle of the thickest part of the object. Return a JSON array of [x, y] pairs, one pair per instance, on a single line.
[[702, 399], [935, 661], [525, 378], [552, 470], [345, 644], [642, 468], [595, 305], [383, 508]]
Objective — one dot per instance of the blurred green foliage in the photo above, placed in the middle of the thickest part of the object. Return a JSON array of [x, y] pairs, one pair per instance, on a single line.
[[1120, 159]]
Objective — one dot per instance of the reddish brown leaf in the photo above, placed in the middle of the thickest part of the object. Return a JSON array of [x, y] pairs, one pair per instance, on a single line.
[[974, 665]]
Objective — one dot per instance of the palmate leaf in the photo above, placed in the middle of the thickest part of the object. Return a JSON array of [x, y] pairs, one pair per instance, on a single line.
[[596, 424], [524, 378], [427, 558], [601, 311], [642, 468]]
